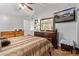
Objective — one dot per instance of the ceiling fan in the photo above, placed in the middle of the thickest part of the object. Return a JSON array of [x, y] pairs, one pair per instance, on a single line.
[[26, 5]]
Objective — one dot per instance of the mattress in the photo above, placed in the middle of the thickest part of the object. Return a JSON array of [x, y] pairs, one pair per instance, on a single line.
[[26, 46]]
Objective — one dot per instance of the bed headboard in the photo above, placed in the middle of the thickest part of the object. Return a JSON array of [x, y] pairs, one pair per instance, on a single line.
[[9, 34]]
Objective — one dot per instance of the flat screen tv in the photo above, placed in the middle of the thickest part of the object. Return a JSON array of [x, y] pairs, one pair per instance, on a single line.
[[66, 15]]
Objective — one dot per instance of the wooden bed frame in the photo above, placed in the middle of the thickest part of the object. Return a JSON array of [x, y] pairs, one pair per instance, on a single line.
[[9, 34]]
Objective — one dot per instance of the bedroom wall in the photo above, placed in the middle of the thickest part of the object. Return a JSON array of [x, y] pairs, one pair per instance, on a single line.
[[67, 31], [77, 24], [10, 23]]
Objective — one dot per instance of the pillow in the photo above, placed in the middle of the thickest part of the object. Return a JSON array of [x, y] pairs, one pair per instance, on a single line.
[[5, 42]]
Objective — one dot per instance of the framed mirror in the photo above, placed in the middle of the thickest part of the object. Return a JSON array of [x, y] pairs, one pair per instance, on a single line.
[[47, 24]]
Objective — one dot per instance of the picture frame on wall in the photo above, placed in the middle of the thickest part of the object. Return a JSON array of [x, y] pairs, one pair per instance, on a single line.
[[66, 15]]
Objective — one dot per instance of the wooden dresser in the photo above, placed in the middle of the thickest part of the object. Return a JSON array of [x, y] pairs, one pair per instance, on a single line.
[[52, 36]]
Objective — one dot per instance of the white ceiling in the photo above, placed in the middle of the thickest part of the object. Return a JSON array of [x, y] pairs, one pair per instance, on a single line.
[[44, 9], [39, 9], [12, 9]]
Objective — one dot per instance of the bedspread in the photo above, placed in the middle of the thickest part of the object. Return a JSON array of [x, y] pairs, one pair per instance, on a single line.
[[26, 46]]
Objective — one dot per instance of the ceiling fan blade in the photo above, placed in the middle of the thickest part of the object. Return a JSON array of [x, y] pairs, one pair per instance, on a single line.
[[31, 3], [29, 7], [22, 4]]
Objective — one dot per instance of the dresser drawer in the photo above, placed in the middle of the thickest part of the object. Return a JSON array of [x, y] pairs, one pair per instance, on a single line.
[[40, 34], [51, 36]]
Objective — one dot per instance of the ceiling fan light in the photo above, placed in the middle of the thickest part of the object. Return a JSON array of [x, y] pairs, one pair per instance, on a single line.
[[20, 5], [24, 6]]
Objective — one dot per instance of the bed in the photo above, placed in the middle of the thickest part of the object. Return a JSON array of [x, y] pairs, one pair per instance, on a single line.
[[27, 46]]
